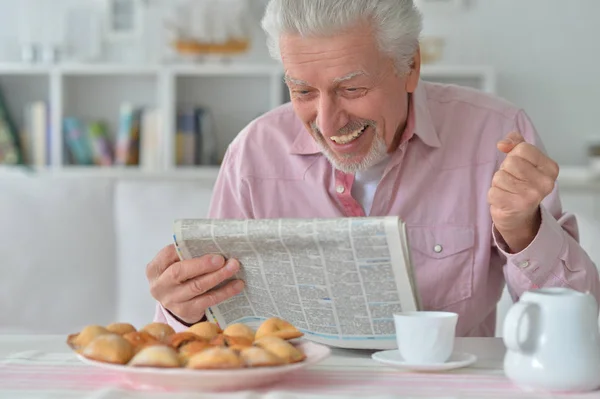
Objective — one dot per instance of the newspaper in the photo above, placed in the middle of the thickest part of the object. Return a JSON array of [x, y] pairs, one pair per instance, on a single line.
[[338, 280]]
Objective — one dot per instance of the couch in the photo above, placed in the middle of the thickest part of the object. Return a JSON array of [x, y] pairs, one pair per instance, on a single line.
[[73, 248]]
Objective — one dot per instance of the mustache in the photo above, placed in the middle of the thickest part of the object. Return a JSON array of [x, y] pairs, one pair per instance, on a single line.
[[350, 127]]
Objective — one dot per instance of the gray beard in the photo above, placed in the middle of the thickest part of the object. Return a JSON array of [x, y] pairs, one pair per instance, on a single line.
[[376, 154]]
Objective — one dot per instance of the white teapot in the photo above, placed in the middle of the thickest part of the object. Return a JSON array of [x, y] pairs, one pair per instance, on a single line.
[[553, 341]]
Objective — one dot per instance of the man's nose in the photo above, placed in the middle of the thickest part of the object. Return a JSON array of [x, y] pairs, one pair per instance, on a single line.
[[330, 118]]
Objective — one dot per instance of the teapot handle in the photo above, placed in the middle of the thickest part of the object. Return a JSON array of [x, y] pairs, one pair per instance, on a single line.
[[512, 326]]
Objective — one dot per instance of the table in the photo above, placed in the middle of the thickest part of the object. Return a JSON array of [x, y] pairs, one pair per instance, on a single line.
[[41, 366]]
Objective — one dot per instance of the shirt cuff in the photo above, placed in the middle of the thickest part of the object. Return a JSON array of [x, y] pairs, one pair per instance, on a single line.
[[540, 257], [172, 320]]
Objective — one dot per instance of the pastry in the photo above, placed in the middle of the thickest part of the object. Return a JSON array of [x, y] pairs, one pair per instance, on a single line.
[[281, 348], [239, 330], [230, 342], [179, 339], [254, 356], [161, 356], [205, 329], [203, 346], [120, 328], [140, 340], [215, 358], [109, 348], [160, 331], [191, 348], [277, 327], [80, 340]]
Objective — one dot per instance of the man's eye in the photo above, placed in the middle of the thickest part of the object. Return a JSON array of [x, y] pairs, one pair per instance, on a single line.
[[354, 92], [301, 94]]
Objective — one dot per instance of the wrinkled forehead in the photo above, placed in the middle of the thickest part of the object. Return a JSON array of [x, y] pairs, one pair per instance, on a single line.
[[336, 80], [330, 60]]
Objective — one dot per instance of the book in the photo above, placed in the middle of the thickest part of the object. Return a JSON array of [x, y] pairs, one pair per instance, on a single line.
[[10, 145], [35, 134], [207, 146], [76, 140], [186, 138], [338, 280], [195, 140], [151, 139], [127, 143], [99, 141]]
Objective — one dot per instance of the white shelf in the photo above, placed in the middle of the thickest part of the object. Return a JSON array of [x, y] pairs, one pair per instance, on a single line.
[[226, 70], [208, 173], [204, 69], [24, 69], [107, 69], [213, 68], [236, 93]]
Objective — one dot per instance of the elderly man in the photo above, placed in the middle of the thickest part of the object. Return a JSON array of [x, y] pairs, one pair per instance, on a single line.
[[363, 135]]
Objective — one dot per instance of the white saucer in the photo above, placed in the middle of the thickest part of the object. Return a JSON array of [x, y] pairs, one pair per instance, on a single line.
[[393, 358]]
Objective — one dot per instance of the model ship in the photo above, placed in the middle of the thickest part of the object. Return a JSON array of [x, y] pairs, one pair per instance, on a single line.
[[212, 27]]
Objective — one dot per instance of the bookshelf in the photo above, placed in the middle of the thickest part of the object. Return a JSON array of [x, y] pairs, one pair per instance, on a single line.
[[235, 94]]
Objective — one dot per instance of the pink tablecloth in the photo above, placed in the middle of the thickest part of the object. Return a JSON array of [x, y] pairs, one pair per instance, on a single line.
[[59, 374]]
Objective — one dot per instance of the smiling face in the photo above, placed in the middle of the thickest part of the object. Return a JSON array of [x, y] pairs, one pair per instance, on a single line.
[[348, 94]]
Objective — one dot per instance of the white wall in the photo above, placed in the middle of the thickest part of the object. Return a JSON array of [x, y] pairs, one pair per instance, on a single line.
[[547, 55], [44, 21], [545, 52]]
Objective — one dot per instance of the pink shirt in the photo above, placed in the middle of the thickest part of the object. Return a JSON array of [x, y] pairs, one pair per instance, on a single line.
[[437, 181]]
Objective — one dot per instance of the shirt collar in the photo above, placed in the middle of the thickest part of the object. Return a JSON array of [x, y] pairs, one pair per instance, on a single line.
[[422, 126], [304, 144], [423, 123]]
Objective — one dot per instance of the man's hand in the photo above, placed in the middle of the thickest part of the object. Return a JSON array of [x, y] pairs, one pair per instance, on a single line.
[[525, 178], [186, 288]]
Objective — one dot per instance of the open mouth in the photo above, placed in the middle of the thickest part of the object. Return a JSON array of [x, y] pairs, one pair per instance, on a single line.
[[347, 138]]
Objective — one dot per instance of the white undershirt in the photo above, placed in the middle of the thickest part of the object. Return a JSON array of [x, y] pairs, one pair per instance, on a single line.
[[365, 184]]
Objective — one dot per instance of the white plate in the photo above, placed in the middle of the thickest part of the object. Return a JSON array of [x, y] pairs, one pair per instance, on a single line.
[[214, 380], [393, 358]]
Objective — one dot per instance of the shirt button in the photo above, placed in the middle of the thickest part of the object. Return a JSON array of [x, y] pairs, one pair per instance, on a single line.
[[340, 189], [524, 264], [437, 249]]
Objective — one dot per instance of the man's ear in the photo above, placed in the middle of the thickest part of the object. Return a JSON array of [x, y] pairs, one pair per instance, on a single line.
[[412, 79]]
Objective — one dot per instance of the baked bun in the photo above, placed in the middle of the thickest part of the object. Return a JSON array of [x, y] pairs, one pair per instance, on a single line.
[[179, 339], [140, 340], [276, 327], [230, 342], [120, 328], [215, 358], [191, 348], [239, 330], [109, 348], [160, 331], [253, 356], [160, 356], [205, 330], [281, 348], [82, 339]]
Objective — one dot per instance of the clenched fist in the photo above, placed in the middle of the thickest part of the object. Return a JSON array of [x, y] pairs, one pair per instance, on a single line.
[[187, 288], [524, 179]]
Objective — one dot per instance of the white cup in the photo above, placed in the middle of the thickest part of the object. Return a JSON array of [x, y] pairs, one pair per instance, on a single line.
[[425, 337]]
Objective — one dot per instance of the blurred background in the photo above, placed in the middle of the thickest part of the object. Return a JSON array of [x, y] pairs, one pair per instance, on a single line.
[[115, 115]]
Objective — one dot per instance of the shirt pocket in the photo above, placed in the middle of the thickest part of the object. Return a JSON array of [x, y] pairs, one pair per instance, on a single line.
[[443, 259]]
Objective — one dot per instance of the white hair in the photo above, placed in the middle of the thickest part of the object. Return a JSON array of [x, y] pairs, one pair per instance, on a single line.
[[397, 24]]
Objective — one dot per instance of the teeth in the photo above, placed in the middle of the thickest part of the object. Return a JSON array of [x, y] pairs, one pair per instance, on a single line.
[[345, 139]]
